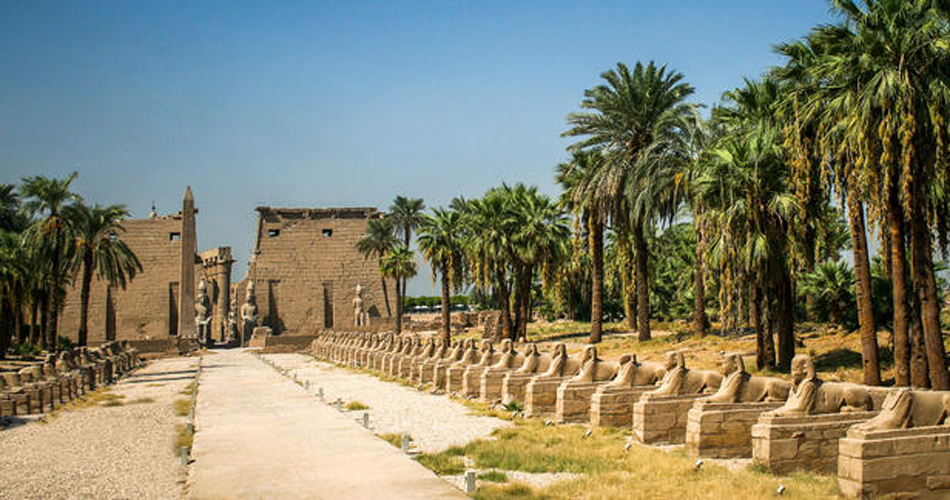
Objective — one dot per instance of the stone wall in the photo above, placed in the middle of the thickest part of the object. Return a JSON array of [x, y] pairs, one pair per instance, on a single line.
[[148, 307], [306, 268], [660, 419]]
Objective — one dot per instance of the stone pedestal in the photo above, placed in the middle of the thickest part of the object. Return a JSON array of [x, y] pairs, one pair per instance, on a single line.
[[513, 386], [426, 372], [472, 381], [453, 378], [574, 401], [492, 384], [723, 430], [613, 406], [915, 462], [540, 396], [660, 419], [784, 444]]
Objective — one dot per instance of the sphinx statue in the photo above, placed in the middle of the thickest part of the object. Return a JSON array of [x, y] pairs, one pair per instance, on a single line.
[[906, 408], [532, 359], [810, 395], [739, 387], [436, 374], [541, 392], [574, 394], [456, 374]]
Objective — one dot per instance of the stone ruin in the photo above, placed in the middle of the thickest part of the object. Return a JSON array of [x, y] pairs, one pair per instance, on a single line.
[[61, 378], [881, 441]]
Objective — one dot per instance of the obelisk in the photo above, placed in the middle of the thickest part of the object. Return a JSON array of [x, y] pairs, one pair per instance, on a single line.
[[189, 246]]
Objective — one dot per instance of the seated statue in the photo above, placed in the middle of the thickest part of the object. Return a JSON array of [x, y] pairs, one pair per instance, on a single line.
[[507, 357], [905, 408], [593, 368], [680, 380], [532, 359], [810, 395], [740, 387], [632, 373]]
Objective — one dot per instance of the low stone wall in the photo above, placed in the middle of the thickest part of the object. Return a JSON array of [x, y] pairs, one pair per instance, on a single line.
[[273, 344], [492, 385], [912, 462], [574, 401], [453, 378], [613, 406], [513, 386], [723, 430], [662, 419], [540, 396], [784, 444]]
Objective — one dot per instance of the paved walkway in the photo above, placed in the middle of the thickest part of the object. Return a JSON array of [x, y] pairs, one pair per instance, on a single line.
[[259, 435], [434, 422]]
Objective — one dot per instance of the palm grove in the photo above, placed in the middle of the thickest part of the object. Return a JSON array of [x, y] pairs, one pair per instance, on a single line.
[[737, 218], [50, 239]]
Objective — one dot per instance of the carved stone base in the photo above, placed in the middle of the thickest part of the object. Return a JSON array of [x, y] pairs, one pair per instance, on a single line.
[[513, 386], [438, 375], [453, 379], [613, 406], [426, 372], [574, 400], [472, 381], [784, 444], [492, 384], [915, 462], [662, 419], [723, 430], [540, 396]]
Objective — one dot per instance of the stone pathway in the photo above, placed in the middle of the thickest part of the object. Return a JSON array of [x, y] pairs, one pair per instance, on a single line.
[[125, 450], [259, 435], [433, 421]]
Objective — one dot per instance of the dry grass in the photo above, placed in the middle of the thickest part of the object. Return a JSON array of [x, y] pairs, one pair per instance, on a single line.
[[182, 407], [188, 389], [393, 438], [355, 406], [183, 437], [610, 472]]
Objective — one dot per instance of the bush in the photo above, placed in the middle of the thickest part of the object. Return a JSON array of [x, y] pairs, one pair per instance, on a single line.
[[63, 343], [27, 349]]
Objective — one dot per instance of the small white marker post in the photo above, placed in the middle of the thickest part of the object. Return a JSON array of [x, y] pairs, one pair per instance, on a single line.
[[306, 384], [320, 393], [405, 443], [183, 454], [470, 481], [365, 420]]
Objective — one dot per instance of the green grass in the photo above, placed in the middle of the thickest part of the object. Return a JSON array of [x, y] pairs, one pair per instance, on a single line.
[[443, 464], [515, 491], [494, 476], [355, 406], [188, 389]]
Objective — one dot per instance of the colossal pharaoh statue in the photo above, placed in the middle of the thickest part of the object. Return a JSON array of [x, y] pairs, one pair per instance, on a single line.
[[249, 314], [203, 314]]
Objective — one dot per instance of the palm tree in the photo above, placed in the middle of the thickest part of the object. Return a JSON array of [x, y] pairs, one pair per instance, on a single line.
[[831, 283], [99, 249], [378, 241], [488, 245], [638, 119], [50, 237], [406, 214], [399, 264], [14, 276], [440, 241]]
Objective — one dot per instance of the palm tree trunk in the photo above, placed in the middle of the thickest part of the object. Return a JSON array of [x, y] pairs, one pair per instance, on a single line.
[[6, 333], [755, 318], [399, 306], [35, 322], [919, 377], [629, 294], [926, 285], [643, 285], [785, 317], [768, 340], [503, 303], [526, 303], [446, 307], [597, 282], [862, 293], [84, 299], [389, 311], [895, 223], [518, 295], [699, 315]]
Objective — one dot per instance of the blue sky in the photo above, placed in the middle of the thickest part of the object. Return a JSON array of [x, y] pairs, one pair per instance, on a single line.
[[341, 103]]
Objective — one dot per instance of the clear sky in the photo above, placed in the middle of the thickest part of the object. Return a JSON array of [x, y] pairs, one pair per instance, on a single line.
[[344, 103]]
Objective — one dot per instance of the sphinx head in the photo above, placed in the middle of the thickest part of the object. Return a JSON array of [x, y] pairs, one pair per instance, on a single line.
[[560, 350], [506, 346], [803, 368], [731, 363], [531, 350]]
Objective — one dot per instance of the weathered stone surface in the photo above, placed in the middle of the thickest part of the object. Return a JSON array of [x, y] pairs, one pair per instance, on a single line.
[[911, 461], [541, 396], [723, 430], [661, 419], [574, 401], [613, 406], [783, 444]]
